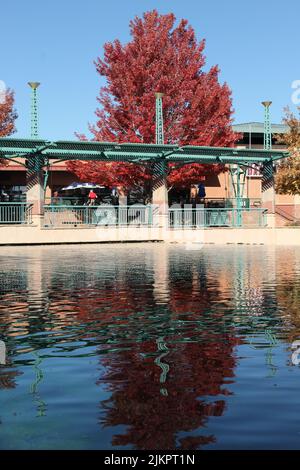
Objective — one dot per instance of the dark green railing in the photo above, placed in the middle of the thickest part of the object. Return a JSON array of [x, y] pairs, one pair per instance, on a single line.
[[64, 216], [66, 200], [12, 213], [217, 217]]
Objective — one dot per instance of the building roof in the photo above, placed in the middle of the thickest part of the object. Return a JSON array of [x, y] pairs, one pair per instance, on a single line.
[[258, 128]]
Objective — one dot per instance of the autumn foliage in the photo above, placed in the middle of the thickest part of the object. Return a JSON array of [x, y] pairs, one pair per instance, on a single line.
[[7, 116], [197, 108], [110, 174], [287, 180]]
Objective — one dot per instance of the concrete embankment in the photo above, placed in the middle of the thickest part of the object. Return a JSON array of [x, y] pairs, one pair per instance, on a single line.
[[34, 234]]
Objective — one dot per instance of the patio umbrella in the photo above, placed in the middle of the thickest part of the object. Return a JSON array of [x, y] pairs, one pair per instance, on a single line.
[[82, 186]]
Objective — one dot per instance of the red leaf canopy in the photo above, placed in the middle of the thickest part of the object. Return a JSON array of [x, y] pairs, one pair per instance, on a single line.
[[197, 108], [7, 116]]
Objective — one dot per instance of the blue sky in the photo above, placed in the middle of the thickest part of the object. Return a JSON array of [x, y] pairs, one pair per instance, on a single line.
[[256, 45]]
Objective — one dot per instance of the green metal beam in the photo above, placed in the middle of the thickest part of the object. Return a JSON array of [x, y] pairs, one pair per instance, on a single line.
[[108, 151]]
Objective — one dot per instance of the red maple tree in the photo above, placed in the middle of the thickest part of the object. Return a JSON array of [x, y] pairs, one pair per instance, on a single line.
[[197, 108], [7, 116], [120, 174]]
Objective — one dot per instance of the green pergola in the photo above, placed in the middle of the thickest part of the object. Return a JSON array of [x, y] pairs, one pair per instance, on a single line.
[[46, 152], [38, 154]]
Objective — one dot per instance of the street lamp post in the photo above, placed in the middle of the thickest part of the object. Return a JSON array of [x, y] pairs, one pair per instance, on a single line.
[[34, 109], [267, 126], [267, 184], [159, 175], [159, 122], [34, 173]]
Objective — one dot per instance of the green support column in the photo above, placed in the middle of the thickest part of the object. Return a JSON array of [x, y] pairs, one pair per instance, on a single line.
[[34, 177], [238, 179], [267, 184], [159, 183]]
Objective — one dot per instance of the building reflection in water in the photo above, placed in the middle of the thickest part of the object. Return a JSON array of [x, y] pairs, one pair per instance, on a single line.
[[165, 323]]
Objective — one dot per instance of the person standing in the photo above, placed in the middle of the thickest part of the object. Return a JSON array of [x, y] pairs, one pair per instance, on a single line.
[[193, 195], [201, 192], [92, 197]]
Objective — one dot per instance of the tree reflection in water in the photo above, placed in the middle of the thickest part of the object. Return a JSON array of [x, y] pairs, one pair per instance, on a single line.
[[165, 331], [167, 371], [154, 420]]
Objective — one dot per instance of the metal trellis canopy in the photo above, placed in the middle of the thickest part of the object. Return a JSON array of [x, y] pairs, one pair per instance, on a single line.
[[12, 148]]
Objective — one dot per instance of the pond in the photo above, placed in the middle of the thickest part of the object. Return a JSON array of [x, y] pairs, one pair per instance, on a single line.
[[150, 346]]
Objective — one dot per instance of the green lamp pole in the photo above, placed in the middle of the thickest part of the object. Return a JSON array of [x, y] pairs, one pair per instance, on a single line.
[[34, 174], [34, 109], [268, 192], [267, 126], [159, 121], [159, 168]]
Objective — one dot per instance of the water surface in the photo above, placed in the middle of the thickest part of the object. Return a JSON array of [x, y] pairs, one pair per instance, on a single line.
[[145, 346]]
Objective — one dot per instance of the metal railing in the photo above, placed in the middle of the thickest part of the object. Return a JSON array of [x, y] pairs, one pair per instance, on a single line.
[[64, 216], [245, 203], [286, 215], [64, 200], [223, 202], [12, 213], [73, 200], [217, 217]]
